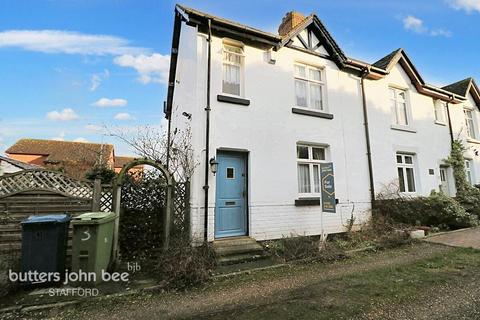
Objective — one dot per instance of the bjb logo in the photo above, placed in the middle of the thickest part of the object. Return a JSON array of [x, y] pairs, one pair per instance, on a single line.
[[133, 267]]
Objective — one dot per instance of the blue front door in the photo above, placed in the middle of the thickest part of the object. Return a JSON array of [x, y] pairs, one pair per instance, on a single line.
[[231, 191]]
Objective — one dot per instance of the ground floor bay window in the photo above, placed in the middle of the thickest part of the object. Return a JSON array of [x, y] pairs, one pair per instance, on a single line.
[[309, 159], [406, 173]]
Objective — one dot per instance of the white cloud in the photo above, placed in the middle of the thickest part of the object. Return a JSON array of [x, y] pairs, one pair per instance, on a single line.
[[80, 139], [122, 116], [467, 5], [105, 102], [413, 23], [66, 114], [94, 128], [151, 68], [440, 33], [97, 79], [59, 41], [416, 25]]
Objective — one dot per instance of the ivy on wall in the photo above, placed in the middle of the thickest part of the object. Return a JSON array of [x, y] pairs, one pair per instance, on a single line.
[[467, 195], [457, 162]]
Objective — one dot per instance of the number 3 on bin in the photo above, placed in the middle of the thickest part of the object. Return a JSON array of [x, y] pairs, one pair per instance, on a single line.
[[87, 235]]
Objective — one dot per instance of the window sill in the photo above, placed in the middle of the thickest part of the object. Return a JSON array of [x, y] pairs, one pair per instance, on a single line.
[[302, 202], [234, 100], [312, 113], [412, 194], [403, 128], [471, 140], [440, 123]]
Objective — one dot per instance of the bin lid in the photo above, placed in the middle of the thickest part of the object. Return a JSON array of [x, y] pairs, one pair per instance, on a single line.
[[94, 218], [50, 218]]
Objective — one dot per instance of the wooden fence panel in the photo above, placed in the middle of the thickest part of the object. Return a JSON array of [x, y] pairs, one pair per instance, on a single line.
[[35, 192], [18, 207]]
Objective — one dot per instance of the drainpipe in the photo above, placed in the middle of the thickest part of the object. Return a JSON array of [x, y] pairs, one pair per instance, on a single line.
[[450, 120], [207, 129], [365, 73], [168, 133]]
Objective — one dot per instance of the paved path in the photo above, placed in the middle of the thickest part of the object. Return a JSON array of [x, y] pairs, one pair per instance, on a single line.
[[467, 238]]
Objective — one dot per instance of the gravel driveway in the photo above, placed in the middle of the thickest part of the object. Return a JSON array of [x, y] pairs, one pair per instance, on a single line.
[[421, 281]]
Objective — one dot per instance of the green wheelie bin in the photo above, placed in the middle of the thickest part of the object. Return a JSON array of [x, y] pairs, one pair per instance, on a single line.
[[92, 243]]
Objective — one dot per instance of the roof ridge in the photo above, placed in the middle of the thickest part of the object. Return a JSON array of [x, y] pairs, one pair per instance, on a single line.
[[62, 141]]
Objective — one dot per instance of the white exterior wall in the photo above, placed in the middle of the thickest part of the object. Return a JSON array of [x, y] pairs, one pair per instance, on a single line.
[[269, 131], [428, 141]]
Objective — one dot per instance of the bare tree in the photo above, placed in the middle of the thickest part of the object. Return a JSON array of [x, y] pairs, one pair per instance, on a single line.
[[151, 142]]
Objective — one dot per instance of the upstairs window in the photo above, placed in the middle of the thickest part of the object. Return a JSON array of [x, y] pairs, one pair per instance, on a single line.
[[308, 168], [470, 123], [309, 87], [232, 69], [398, 102], [406, 172], [440, 112]]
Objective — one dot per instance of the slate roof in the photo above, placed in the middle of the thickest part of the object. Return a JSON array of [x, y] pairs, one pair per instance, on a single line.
[[19, 164], [59, 151], [460, 87], [230, 23], [378, 69], [385, 61]]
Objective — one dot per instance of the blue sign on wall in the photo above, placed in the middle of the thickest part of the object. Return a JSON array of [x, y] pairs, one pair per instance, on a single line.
[[328, 187]]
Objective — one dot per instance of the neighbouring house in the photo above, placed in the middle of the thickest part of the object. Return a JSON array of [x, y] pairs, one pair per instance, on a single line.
[[122, 161], [293, 136], [8, 165], [73, 158]]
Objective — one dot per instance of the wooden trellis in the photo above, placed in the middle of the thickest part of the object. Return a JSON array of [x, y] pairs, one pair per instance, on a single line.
[[44, 180], [181, 207]]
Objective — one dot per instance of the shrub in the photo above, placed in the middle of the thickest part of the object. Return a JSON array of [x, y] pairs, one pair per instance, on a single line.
[[437, 210], [100, 172], [184, 265], [467, 195], [470, 200], [303, 247], [377, 233]]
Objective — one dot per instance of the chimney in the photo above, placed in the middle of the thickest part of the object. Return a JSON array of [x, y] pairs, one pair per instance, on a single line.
[[290, 21]]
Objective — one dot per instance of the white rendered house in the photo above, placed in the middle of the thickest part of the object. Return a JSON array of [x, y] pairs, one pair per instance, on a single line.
[[292, 136]]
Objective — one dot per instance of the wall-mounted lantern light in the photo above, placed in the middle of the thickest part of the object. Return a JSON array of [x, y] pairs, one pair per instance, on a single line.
[[213, 165]]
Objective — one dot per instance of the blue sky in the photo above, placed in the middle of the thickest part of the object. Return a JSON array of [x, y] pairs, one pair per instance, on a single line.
[[69, 68]]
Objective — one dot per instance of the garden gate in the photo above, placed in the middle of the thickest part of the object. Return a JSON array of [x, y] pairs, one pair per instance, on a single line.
[[151, 206]]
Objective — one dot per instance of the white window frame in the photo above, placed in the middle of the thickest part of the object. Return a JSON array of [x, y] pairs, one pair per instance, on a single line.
[[322, 83], [394, 102], [440, 111], [403, 165], [311, 163], [239, 45], [470, 123], [469, 171]]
